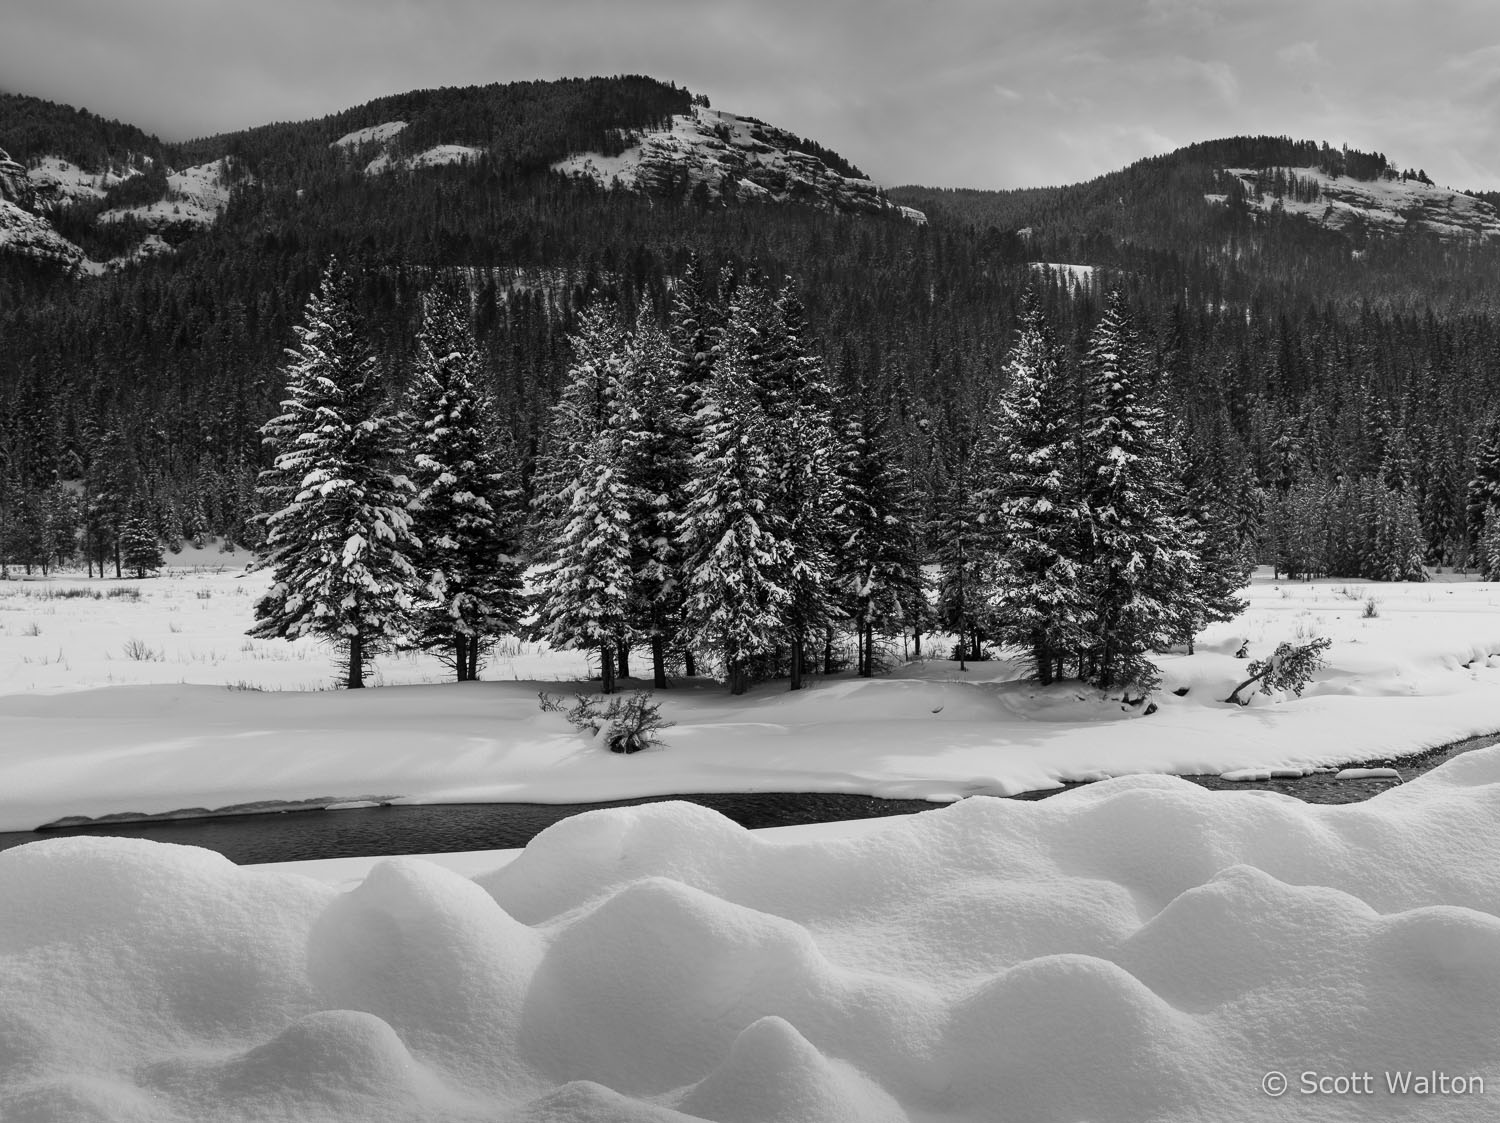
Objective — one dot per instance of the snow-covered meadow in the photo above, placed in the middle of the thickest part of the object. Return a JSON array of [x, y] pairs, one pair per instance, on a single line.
[[1136, 949], [156, 701]]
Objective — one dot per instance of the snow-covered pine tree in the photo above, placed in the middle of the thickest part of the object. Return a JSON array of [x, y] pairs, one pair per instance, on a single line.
[[1489, 548], [879, 560], [693, 333], [585, 586], [338, 533], [958, 548], [1140, 566], [466, 508], [1214, 494], [581, 413], [805, 455], [655, 453], [734, 537], [140, 548], [1035, 519], [1484, 485]]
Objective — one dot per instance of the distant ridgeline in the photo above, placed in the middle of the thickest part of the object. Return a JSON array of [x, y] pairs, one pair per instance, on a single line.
[[1313, 315]]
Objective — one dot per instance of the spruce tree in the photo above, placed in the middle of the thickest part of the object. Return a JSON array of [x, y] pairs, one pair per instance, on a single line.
[[1140, 570], [465, 511], [586, 584], [1036, 523], [805, 457], [338, 533], [959, 550], [655, 452], [140, 548], [734, 535], [879, 559]]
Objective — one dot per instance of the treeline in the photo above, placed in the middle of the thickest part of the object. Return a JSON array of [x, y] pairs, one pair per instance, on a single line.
[[1299, 364], [709, 490]]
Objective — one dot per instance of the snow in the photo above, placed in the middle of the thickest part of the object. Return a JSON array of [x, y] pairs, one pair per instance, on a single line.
[[68, 183], [1385, 204], [441, 155], [1073, 274], [1140, 949], [371, 135], [727, 153], [32, 235], [195, 195], [204, 717]]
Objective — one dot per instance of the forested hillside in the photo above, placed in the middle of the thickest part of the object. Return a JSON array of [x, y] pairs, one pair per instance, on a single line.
[[1310, 370]]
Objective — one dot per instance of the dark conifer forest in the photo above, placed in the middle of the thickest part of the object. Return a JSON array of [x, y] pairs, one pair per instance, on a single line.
[[1333, 392]]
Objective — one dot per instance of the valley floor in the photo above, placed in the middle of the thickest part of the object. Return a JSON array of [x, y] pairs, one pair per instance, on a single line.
[[155, 701], [1137, 949]]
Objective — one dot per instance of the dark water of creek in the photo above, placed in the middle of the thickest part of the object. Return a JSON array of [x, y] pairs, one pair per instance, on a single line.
[[439, 828]]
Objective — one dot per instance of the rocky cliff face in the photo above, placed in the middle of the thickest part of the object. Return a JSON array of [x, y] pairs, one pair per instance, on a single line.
[[721, 156], [15, 186], [22, 231]]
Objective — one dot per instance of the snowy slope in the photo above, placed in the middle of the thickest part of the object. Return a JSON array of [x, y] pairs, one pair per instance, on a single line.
[[731, 156], [31, 235], [372, 135], [1138, 951], [1386, 205], [438, 156], [62, 183], [195, 195]]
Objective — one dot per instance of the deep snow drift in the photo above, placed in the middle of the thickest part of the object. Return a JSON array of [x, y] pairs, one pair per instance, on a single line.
[[1137, 950]]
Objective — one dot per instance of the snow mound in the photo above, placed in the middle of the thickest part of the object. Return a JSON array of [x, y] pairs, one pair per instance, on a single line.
[[1137, 950], [374, 134]]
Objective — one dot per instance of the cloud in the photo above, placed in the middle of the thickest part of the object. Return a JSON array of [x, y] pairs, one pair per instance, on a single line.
[[1299, 54], [951, 93]]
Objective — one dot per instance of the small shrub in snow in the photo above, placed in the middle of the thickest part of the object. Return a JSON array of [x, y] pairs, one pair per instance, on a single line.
[[140, 651], [124, 592], [32, 629], [630, 722], [205, 594], [1290, 667], [1372, 608]]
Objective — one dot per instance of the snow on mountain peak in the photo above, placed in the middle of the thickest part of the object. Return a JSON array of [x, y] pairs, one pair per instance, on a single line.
[[1390, 203], [728, 156]]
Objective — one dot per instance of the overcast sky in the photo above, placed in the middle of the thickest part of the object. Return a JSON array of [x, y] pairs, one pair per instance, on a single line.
[[978, 93]]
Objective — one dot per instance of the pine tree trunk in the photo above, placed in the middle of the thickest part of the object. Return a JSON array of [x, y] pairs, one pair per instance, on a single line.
[[356, 674], [473, 658], [658, 662], [962, 650], [796, 663], [622, 658], [739, 677], [607, 667], [916, 642], [689, 664], [117, 558], [461, 656], [828, 650], [1043, 659]]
